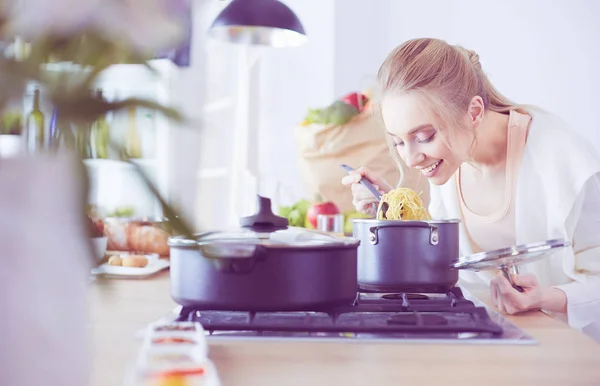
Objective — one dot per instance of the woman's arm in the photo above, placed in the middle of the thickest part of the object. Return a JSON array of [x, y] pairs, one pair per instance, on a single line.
[[582, 297], [553, 300]]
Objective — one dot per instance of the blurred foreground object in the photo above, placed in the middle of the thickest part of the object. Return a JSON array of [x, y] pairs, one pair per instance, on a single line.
[[62, 47], [46, 261], [139, 25]]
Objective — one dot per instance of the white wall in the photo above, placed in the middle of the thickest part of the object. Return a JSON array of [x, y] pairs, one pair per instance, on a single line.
[[361, 35]]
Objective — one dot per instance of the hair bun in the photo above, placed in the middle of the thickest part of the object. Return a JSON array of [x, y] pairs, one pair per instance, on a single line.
[[470, 54], [473, 57]]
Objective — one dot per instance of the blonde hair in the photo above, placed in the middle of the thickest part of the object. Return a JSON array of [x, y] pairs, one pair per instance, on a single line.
[[446, 77]]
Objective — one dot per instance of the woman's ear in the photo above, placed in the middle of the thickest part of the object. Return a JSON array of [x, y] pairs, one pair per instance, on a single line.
[[476, 110]]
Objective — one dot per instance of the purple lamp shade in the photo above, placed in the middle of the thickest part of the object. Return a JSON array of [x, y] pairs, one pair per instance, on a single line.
[[259, 22]]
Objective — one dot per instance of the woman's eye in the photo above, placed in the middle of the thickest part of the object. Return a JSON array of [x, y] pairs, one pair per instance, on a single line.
[[397, 144], [426, 140]]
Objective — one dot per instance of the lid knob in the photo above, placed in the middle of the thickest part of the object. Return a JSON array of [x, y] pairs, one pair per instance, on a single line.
[[264, 217]]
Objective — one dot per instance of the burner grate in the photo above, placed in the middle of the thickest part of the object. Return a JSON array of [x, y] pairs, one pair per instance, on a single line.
[[419, 315], [475, 321]]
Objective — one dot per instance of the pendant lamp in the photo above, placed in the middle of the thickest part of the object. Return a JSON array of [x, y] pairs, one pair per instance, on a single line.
[[258, 22]]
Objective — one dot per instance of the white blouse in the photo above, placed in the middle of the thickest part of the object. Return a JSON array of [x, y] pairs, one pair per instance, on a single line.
[[557, 196], [583, 295]]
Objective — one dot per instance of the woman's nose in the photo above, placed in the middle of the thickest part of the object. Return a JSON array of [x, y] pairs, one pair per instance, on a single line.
[[414, 158]]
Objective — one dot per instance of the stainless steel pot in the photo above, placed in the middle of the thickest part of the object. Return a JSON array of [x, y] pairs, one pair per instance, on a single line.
[[407, 256], [263, 266]]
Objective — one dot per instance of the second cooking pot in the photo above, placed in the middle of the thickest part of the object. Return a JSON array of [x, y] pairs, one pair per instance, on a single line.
[[263, 266], [407, 256]]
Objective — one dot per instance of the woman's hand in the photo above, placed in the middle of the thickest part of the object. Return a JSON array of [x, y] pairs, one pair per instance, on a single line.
[[362, 198], [511, 301]]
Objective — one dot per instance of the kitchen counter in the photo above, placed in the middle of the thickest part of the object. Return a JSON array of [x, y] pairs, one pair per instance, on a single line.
[[119, 308]]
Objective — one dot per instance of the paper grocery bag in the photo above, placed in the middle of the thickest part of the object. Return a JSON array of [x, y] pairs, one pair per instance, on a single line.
[[46, 260], [359, 142]]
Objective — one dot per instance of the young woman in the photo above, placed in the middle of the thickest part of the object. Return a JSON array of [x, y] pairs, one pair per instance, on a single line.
[[512, 174]]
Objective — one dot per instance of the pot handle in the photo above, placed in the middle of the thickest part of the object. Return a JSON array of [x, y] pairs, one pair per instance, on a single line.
[[515, 270], [264, 218], [434, 237], [232, 258]]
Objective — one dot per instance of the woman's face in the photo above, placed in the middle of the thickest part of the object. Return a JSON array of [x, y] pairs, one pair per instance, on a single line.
[[418, 142]]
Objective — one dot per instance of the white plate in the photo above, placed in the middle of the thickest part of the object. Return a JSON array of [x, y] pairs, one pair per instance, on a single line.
[[155, 265]]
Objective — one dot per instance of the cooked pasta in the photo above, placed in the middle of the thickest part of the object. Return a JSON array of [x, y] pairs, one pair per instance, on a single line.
[[402, 204]]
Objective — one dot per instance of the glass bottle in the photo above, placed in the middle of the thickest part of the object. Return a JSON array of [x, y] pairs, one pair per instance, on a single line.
[[34, 130], [100, 135], [62, 135], [83, 138], [133, 144]]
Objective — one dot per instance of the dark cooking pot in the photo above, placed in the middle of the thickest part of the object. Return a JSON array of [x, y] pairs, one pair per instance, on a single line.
[[406, 256], [263, 266]]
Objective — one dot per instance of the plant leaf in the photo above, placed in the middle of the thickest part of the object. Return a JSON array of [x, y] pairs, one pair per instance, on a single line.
[[178, 224]]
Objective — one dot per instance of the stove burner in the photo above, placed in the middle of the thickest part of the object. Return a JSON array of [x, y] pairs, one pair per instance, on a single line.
[[398, 315], [408, 296], [416, 319]]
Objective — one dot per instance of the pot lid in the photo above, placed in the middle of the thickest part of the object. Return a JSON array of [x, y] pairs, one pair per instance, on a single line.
[[269, 230], [513, 256]]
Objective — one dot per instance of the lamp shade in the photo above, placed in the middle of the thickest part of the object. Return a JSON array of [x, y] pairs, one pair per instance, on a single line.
[[258, 22]]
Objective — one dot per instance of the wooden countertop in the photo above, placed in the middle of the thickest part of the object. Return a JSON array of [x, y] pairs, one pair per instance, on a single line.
[[562, 357]]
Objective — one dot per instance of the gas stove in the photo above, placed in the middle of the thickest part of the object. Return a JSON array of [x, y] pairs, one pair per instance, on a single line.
[[453, 317]]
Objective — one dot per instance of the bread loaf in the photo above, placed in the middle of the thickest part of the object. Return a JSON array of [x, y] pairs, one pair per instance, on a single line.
[[116, 232], [137, 237], [148, 239]]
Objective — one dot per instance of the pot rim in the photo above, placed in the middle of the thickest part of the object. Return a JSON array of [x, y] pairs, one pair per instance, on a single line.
[[136, 219], [181, 241], [434, 221]]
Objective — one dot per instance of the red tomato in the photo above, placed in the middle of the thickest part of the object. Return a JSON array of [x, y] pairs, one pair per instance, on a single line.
[[356, 99], [320, 208]]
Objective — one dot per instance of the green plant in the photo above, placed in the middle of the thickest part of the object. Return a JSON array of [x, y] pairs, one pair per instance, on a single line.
[[31, 37], [11, 122]]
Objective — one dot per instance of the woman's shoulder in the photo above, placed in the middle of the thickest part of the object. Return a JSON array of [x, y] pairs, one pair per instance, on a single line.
[[550, 136], [559, 159]]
